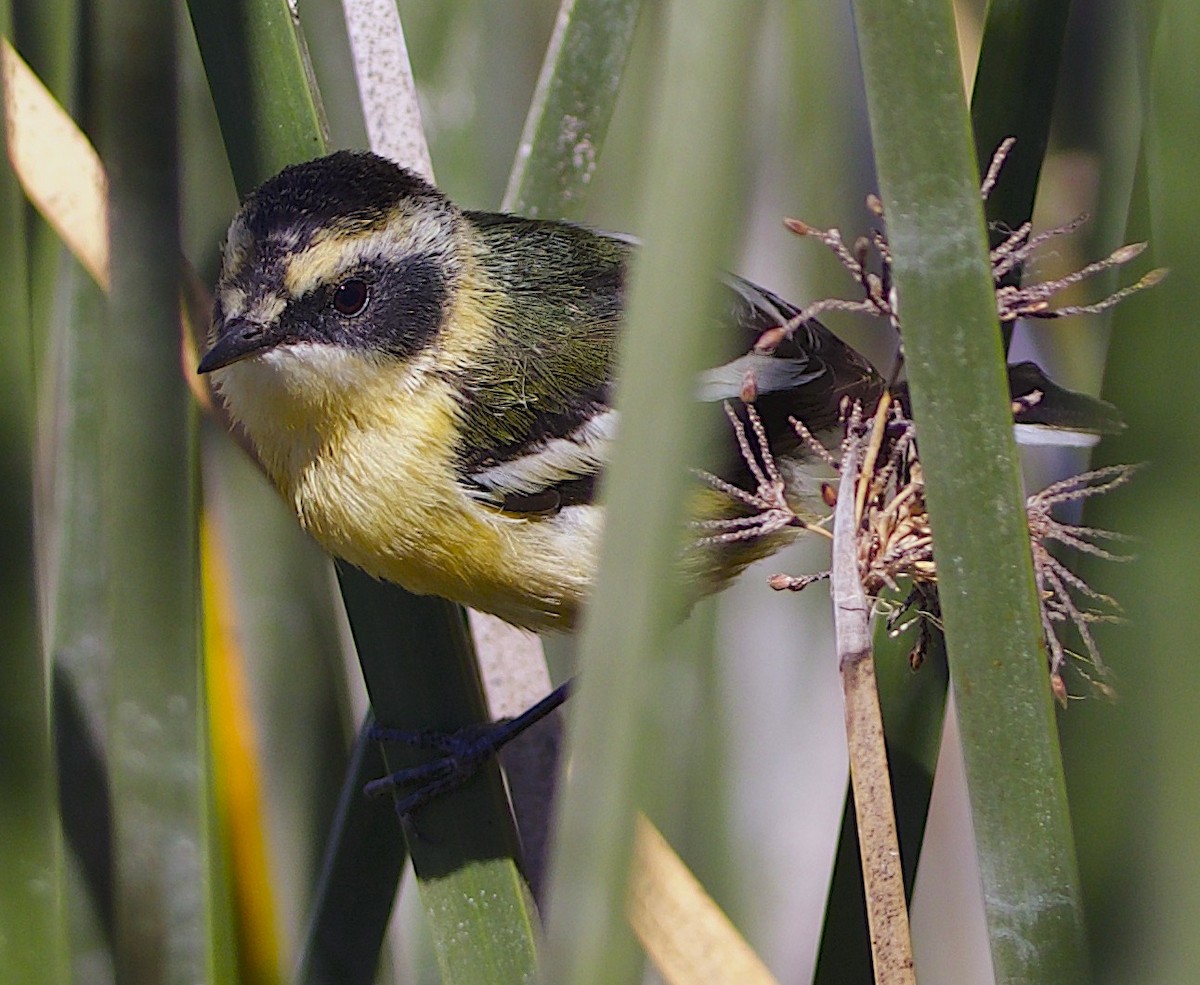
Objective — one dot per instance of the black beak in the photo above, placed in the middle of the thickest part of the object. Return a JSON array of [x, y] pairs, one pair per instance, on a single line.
[[239, 339]]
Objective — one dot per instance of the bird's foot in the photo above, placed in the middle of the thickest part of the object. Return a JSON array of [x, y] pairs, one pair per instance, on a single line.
[[463, 753]]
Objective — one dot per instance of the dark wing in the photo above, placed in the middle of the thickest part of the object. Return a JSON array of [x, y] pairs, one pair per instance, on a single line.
[[806, 376], [543, 427], [1044, 405], [539, 408]]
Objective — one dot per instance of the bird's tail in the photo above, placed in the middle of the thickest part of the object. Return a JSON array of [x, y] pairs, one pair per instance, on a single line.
[[1045, 413]]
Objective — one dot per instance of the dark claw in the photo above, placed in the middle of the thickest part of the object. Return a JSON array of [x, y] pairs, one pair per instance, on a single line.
[[465, 752]]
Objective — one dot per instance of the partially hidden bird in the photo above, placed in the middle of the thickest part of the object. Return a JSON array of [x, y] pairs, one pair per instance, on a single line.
[[431, 388]]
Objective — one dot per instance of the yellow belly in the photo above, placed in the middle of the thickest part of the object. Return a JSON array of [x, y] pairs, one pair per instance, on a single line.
[[365, 456], [367, 460], [389, 507]]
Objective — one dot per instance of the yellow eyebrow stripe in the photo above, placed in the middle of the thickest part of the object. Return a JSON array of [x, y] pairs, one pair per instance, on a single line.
[[336, 251], [324, 262]]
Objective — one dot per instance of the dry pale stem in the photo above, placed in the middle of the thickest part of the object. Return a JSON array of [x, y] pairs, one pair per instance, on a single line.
[[879, 845], [685, 933]]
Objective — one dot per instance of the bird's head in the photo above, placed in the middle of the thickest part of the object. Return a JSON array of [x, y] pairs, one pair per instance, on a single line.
[[334, 272]]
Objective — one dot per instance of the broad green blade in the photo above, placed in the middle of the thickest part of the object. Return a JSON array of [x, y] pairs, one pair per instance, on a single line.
[[77, 595], [262, 85], [929, 183], [571, 107], [689, 228], [357, 885], [156, 741], [1014, 97], [464, 850], [33, 945], [1142, 782]]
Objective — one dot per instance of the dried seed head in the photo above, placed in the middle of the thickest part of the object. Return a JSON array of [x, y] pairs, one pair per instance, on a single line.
[[769, 341], [1058, 689], [1124, 254], [749, 392], [894, 544], [1026, 402], [791, 583], [997, 162], [862, 250], [1029, 300]]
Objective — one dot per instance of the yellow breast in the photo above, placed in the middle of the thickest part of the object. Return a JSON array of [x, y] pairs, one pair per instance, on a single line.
[[364, 452]]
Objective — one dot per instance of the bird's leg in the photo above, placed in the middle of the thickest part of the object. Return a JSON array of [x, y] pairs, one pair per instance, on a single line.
[[464, 752]]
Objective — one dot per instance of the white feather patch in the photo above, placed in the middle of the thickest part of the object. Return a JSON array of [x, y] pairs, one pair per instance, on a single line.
[[582, 452], [1041, 435], [771, 375]]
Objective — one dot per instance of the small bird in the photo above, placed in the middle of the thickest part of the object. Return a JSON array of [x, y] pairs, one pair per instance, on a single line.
[[431, 389]]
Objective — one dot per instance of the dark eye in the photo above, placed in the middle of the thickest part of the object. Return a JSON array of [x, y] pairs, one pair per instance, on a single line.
[[350, 297]]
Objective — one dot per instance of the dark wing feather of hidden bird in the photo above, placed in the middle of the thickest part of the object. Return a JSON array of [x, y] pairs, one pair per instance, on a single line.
[[1038, 400], [805, 375], [543, 446]]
